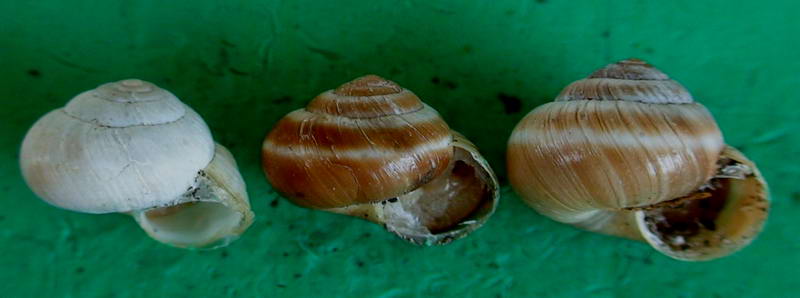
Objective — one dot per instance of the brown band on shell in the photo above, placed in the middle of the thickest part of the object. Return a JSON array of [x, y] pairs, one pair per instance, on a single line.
[[301, 129], [329, 181], [627, 80], [366, 97]]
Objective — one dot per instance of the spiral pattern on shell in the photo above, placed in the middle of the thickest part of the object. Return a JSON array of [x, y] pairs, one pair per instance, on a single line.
[[367, 141], [627, 122]]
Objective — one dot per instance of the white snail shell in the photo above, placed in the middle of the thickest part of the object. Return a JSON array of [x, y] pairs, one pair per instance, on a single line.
[[628, 143], [132, 147]]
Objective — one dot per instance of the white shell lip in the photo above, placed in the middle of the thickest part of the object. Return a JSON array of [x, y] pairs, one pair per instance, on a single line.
[[212, 214], [126, 103]]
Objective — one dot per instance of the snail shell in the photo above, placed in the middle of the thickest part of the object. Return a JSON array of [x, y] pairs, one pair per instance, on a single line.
[[625, 147], [132, 147], [370, 144]]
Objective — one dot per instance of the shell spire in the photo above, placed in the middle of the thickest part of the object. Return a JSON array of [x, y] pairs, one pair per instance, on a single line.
[[630, 69], [368, 85], [628, 80], [366, 97]]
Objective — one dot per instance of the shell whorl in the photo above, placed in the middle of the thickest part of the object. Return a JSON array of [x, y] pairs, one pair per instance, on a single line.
[[126, 103], [366, 141], [584, 153], [628, 80]]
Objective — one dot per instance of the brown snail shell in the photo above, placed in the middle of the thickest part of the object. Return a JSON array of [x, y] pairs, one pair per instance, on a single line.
[[372, 149], [628, 152]]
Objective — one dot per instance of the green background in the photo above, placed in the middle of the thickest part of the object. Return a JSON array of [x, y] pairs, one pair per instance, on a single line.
[[481, 64]]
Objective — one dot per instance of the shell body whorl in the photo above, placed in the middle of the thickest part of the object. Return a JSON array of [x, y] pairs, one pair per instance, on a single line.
[[367, 141], [574, 154], [124, 146]]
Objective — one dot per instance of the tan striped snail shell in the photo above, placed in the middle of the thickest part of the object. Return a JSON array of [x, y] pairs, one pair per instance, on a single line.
[[372, 149], [628, 152], [132, 147]]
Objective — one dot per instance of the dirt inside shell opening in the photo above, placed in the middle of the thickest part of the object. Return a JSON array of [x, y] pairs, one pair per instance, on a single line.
[[460, 198], [721, 217], [191, 224]]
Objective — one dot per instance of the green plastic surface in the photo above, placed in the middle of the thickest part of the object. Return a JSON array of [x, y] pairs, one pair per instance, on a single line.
[[482, 64]]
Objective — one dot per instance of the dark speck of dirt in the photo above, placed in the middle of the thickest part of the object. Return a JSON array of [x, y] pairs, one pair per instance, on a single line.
[[468, 48], [541, 1], [80, 270], [237, 72], [796, 196], [605, 34], [360, 264], [394, 71], [34, 73], [649, 50], [274, 203], [282, 99], [511, 104], [446, 83], [224, 254], [297, 275], [494, 265], [286, 254], [280, 286]]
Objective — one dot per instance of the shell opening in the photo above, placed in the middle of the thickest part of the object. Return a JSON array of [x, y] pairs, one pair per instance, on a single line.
[[211, 213], [720, 218], [447, 207], [192, 224]]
